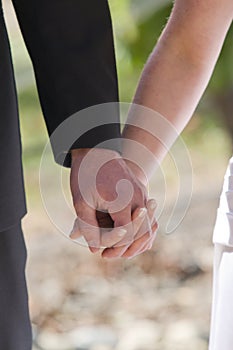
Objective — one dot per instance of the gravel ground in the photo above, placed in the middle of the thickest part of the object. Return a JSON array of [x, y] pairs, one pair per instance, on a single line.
[[158, 301]]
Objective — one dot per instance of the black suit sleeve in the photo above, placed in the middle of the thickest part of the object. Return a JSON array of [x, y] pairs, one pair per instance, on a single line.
[[70, 43]]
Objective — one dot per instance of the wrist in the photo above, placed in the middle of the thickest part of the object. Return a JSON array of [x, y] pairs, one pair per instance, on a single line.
[[81, 152]]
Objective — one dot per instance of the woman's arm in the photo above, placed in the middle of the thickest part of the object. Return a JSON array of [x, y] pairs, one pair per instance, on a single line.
[[177, 73]]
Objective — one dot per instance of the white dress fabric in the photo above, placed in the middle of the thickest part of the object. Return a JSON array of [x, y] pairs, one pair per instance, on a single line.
[[221, 331]]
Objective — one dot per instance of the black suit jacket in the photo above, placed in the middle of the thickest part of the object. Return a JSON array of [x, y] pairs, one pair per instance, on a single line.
[[70, 43]]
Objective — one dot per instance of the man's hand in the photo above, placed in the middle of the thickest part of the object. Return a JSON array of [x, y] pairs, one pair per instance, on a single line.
[[111, 204]]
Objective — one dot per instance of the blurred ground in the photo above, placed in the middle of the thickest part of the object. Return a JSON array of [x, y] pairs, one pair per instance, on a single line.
[[157, 301]]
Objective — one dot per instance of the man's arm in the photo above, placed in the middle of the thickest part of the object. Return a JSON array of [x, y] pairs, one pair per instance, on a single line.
[[177, 73], [71, 47]]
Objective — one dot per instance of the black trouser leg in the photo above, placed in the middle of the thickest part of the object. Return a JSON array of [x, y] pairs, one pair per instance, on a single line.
[[15, 327]]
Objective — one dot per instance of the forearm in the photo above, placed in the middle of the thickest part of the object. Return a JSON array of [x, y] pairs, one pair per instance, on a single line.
[[175, 77]]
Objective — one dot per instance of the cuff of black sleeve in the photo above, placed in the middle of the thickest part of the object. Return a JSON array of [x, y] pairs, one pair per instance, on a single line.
[[105, 136]]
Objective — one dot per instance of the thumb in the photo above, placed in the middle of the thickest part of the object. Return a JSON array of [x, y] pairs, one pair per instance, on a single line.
[[86, 225]]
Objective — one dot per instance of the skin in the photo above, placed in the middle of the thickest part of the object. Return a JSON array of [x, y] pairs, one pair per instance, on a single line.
[[176, 75], [172, 83], [98, 207]]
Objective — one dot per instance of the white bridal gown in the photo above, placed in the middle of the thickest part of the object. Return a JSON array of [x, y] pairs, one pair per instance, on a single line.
[[221, 333]]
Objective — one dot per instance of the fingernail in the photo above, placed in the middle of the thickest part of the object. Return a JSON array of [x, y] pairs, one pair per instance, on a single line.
[[153, 204], [122, 232], [142, 212], [72, 234], [94, 250]]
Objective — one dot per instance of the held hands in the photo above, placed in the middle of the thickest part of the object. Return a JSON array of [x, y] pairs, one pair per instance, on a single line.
[[112, 206]]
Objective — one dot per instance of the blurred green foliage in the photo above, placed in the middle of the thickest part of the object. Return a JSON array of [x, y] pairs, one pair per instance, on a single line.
[[145, 21], [134, 42]]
